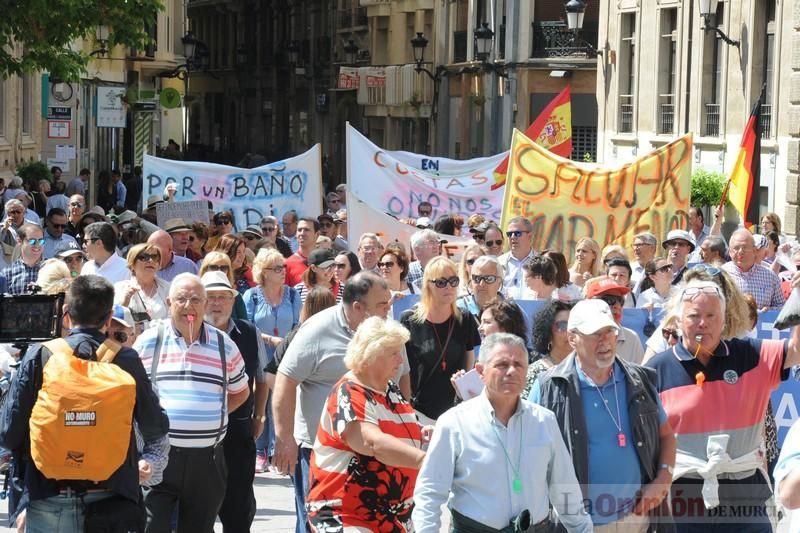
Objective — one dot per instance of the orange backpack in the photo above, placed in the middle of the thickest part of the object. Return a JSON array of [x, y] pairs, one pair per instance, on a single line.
[[80, 426]]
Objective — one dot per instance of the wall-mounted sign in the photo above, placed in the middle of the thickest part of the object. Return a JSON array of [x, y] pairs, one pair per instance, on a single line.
[[59, 113], [170, 98], [110, 109], [58, 129]]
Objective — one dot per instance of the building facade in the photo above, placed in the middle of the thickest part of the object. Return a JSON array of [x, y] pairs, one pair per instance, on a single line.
[[668, 72], [20, 122]]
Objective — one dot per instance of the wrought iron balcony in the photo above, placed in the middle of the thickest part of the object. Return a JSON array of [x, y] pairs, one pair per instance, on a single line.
[[552, 38]]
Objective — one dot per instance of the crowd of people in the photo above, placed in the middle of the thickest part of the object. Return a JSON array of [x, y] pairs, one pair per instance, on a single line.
[[274, 345]]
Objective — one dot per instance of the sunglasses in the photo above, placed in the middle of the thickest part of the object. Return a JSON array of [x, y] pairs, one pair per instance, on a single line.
[[471, 262], [250, 237], [690, 293], [441, 283], [613, 299], [560, 325], [515, 234], [73, 259], [477, 280], [147, 258], [222, 222], [387, 264], [58, 226], [498, 242], [708, 269], [34, 242], [119, 336], [218, 268], [75, 204], [669, 333], [267, 229], [277, 269], [478, 236]]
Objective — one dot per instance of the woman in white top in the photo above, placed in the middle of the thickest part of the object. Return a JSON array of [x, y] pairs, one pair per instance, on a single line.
[[587, 261], [144, 294], [657, 285]]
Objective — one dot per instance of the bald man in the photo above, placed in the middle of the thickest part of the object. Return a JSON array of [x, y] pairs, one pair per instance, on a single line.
[[171, 264], [749, 275]]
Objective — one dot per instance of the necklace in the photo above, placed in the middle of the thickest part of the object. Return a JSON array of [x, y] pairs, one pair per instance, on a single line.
[[516, 484], [443, 347], [621, 440]]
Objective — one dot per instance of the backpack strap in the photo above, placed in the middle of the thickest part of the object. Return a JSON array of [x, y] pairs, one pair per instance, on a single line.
[[221, 347], [107, 351], [157, 352]]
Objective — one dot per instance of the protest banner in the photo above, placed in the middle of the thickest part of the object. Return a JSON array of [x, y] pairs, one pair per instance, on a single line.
[[361, 219], [192, 211], [396, 182], [566, 201], [249, 194]]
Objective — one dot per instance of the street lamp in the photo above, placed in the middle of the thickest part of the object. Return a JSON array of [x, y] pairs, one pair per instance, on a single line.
[[350, 51], [483, 41], [418, 45], [189, 46], [576, 9], [708, 12], [101, 36]]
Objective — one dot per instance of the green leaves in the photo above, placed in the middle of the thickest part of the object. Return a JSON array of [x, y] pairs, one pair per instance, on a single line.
[[707, 188], [40, 35]]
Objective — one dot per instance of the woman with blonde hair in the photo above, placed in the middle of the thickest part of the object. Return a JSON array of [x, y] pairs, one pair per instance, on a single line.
[[442, 339], [54, 277], [612, 251], [468, 258], [587, 261], [220, 262], [354, 438], [145, 294]]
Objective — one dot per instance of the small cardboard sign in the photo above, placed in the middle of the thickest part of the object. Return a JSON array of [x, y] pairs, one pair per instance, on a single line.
[[192, 211]]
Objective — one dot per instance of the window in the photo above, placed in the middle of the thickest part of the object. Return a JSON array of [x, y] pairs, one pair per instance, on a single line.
[[713, 84], [460, 32], [768, 69], [27, 106], [2, 108], [627, 72], [667, 60]]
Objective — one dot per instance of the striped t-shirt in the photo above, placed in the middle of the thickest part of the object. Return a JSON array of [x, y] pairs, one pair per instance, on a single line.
[[189, 383]]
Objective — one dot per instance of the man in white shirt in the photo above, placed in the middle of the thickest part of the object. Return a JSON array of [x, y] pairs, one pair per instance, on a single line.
[[644, 250], [520, 238], [476, 456], [100, 244]]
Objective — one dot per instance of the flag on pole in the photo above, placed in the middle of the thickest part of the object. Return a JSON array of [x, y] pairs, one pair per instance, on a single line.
[[552, 129], [745, 176]]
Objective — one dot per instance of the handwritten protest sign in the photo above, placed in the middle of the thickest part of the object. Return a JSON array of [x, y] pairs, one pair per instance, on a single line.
[[567, 201], [272, 189], [193, 211], [396, 182]]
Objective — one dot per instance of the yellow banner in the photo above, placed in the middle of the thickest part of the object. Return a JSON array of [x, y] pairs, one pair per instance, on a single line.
[[566, 201]]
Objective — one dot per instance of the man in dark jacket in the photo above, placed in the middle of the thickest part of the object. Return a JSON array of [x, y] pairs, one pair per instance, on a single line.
[[54, 505], [611, 418]]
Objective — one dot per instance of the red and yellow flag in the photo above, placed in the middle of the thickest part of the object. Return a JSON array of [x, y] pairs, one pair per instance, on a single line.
[[552, 129], [745, 177]]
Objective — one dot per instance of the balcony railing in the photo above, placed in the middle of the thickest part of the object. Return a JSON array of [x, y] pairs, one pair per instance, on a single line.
[[766, 121], [626, 113], [552, 38], [712, 120], [666, 114]]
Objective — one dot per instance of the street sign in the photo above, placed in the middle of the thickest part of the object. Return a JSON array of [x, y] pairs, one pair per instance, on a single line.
[[170, 98]]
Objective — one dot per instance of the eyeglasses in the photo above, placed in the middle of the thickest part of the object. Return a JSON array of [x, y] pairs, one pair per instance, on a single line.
[[75, 204], [119, 336], [665, 268], [147, 258], [613, 299], [76, 258], [218, 268], [267, 229], [690, 293], [515, 233], [250, 237], [277, 269], [498, 242], [387, 264], [58, 226], [477, 280], [441, 283], [560, 325], [222, 221], [640, 244], [183, 300], [669, 333], [341, 266], [708, 269], [34, 242], [471, 262]]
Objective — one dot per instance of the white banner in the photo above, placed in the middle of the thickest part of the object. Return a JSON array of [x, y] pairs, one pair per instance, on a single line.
[[272, 189], [361, 219], [396, 182]]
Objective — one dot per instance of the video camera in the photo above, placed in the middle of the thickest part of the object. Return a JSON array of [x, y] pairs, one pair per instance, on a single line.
[[29, 318]]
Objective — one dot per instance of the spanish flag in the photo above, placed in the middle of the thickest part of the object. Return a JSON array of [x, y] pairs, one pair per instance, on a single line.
[[745, 177], [552, 129]]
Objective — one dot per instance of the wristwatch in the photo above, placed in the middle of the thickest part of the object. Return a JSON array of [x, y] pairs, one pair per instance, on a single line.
[[668, 468]]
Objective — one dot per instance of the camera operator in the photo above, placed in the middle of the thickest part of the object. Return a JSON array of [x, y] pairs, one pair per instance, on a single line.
[[22, 273]]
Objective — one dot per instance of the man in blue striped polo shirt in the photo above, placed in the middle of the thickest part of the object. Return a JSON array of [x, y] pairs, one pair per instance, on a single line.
[[200, 377]]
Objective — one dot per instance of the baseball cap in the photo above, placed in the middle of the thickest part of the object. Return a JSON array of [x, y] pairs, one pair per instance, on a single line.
[[590, 316], [176, 224], [679, 234], [215, 280], [123, 315], [605, 285], [321, 257], [424, 222]]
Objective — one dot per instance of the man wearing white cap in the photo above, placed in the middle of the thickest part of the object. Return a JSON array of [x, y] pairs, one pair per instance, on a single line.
[[678, 244], [611, 418], [239, 505]]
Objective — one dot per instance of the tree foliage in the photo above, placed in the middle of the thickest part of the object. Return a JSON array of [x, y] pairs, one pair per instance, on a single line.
[[707, 187], [37, 35]]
